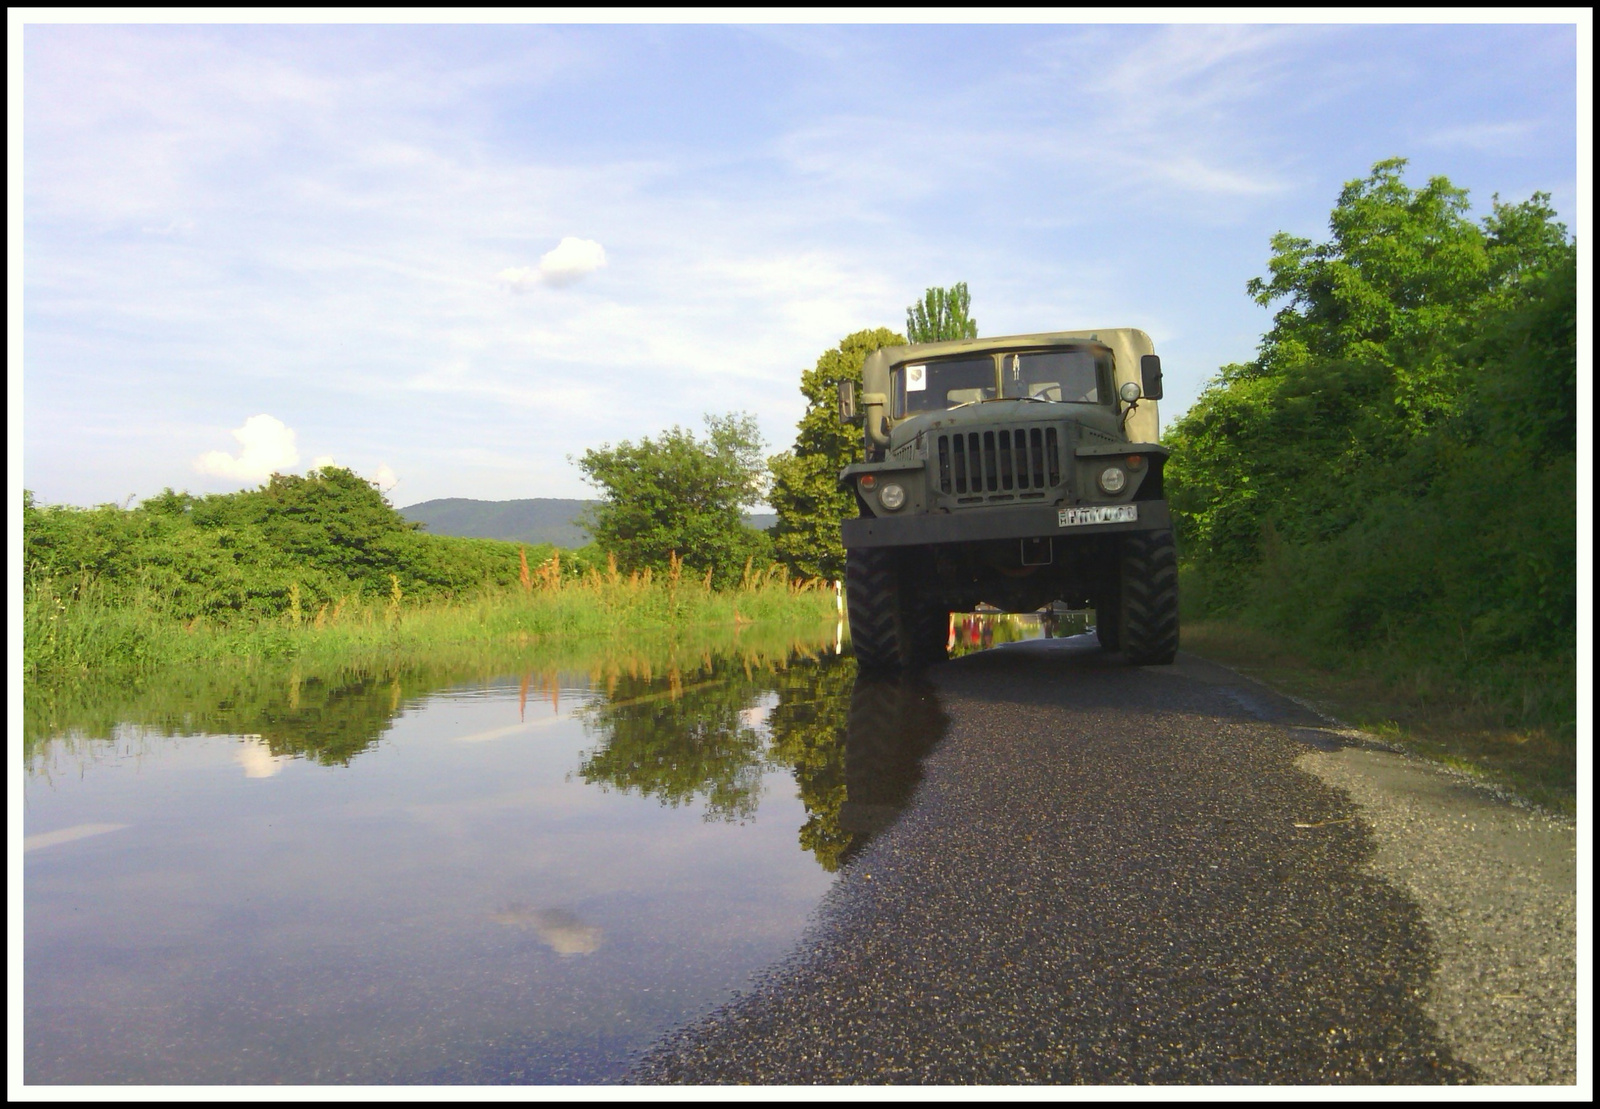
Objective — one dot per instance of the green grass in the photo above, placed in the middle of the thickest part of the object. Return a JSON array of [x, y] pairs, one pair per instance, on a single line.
[[1511, 725], [88, 633]]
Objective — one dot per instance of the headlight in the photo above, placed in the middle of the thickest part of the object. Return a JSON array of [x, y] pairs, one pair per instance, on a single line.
[[892, 496], [1112, 479]]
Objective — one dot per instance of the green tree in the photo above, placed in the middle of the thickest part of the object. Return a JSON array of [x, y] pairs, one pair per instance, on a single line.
[[941, 314], [326, 535], [805, 479], [1364, 356], [1390, 481], [678, 493]]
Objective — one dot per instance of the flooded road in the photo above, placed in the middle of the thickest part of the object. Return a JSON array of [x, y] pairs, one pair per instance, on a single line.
[[418, 878], [1032, 864], [1113, 874]]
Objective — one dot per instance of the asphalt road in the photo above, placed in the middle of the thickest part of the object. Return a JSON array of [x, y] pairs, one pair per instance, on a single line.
[[1103, 874]]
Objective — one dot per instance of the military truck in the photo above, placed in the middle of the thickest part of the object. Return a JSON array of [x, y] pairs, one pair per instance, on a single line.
[[1014, 472]]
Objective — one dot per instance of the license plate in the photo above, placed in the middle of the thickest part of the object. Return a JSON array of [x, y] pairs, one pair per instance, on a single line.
[[1099, 514]]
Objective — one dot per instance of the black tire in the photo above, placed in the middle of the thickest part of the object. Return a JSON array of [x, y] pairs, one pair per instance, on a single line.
[[872, 594], [1149, 607], [891, 627]]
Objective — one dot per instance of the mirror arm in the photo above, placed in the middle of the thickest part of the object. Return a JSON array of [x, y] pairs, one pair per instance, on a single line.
[[874, 404]]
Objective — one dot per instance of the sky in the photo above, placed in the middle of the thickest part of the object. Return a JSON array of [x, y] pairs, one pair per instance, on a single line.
[[453, 258]]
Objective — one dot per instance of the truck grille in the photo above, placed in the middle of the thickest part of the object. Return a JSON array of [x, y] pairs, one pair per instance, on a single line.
[[995, 461]]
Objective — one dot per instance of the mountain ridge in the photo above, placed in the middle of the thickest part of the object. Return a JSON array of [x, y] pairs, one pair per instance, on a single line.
[[526, 520]]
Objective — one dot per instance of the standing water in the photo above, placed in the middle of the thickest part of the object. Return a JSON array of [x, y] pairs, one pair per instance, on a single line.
[[426, 876]]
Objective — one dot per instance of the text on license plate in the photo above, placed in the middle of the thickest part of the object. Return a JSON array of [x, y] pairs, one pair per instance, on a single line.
[[1099, 514]]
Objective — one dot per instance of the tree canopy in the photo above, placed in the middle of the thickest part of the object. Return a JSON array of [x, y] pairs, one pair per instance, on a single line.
[[323, 536], [1397, 464], [941, 314], [680, 495], [1369, 351], [805, 479]]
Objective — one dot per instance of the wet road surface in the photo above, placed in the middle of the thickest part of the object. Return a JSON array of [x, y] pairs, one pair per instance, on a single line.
[[1104, 875]]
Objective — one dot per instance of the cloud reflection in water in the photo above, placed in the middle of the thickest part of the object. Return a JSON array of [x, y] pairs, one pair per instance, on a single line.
[[557, 929]]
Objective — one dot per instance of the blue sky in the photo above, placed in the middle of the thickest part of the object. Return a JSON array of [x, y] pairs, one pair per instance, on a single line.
[[453, 257]]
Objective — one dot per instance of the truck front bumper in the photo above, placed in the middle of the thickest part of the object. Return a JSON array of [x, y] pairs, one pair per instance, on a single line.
[[1028, 521]]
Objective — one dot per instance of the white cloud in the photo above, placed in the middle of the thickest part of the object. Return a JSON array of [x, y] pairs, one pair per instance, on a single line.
[[258, 760], [385, 477], [266, 446], [322, 461], [571, 260]]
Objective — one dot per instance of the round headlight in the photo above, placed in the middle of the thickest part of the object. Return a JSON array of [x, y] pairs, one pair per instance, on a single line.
[[891, 496], [1112, 479]]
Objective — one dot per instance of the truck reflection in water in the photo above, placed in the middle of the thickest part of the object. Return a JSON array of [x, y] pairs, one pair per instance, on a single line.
[[894, 724]]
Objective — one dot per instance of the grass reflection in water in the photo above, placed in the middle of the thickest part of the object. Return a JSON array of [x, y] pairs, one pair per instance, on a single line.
[[685, 720]]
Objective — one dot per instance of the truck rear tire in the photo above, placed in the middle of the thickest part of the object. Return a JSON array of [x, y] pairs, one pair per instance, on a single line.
[[891, 628], [1149, 601]]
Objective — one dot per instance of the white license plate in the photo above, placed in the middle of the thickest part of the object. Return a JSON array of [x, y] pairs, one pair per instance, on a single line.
[[1100, 514]]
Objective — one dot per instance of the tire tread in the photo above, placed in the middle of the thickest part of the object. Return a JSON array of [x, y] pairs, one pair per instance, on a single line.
[[1150, 598]]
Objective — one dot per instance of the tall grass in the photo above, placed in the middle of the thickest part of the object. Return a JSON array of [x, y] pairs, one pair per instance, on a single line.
[[80, 629]]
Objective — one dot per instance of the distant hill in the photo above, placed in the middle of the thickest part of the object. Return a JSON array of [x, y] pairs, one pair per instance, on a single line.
[[535, 520]]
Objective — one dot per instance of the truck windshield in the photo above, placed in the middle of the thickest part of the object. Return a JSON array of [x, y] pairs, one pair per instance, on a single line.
[[929, 386], [1059, 375]]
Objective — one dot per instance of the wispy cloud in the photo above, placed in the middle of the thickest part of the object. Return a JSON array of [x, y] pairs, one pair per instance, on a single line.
[[324, 223], [1503, 138]]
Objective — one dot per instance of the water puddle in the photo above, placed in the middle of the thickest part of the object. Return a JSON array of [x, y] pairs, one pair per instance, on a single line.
[[437, 877]]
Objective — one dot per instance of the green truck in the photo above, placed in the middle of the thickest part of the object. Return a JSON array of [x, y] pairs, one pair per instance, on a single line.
[[1015, 472]]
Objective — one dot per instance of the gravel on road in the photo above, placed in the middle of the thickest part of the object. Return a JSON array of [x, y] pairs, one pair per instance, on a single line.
[[1120, 875]]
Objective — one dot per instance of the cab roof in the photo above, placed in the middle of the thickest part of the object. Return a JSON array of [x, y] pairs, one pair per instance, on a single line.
[[1130, 338]]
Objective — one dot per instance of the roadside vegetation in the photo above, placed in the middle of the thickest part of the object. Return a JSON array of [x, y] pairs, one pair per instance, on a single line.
[[321, 567], [1387, 492], [678, 498]]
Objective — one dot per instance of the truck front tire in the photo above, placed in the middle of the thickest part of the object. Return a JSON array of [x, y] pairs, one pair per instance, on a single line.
[[1149, 598], [891, 627]]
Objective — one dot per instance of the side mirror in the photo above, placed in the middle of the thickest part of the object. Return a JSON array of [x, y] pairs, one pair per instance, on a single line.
[[1150, 371], [847, 402]]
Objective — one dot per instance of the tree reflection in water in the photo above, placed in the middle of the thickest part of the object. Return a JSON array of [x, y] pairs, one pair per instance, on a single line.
[[854, 745], [686, 726], [686, 742]]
